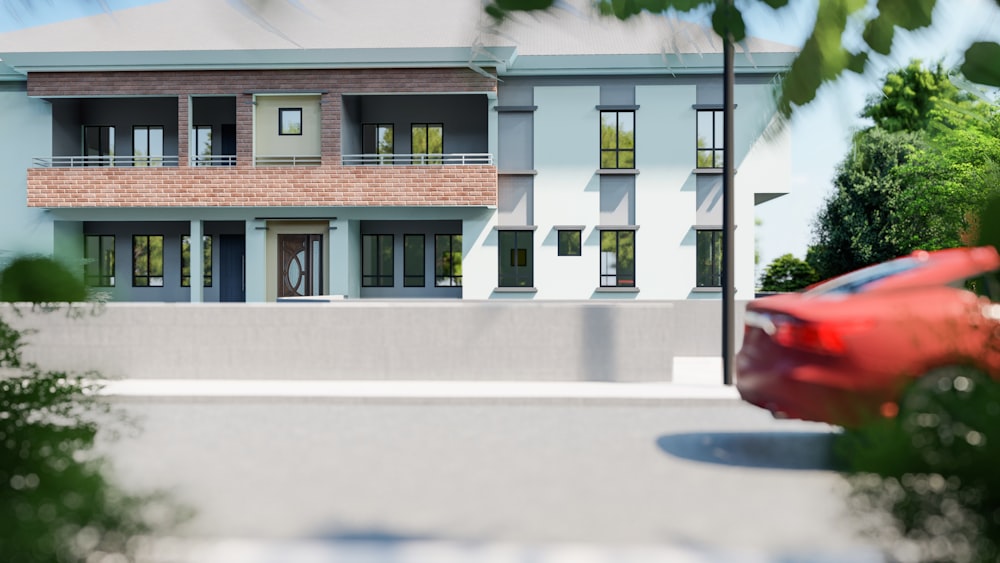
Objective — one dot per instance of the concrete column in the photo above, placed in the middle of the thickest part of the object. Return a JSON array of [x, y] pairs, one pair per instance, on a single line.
[[343, 266], [256, 261], [197, 259]]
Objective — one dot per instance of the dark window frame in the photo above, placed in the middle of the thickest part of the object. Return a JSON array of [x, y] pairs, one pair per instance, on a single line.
[[518, 268], [616, 279], [715, 150], [282, 125], [447, 273], [411, 279], [712, 278], [105, 276], [206, 266], [149, 160], [380, 277], [146, 279], [426, 159], [560, 246], [617, 149], [198, 157]]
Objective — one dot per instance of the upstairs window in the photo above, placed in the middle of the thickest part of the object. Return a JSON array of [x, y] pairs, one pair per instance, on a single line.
[[710, 139], [203, 145], [617, 139], [99, 256], [709, 256], [377, 139], [98, 145], [289, 121], [427, 142], [147, 146], [569, 242]]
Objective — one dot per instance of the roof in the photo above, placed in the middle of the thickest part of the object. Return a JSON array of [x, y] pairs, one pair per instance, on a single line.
[[220, 33]]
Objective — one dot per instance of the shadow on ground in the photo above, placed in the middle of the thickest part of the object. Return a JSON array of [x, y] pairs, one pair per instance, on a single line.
[[765, 450]]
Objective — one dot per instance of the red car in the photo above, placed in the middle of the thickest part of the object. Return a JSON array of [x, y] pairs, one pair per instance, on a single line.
[[845, 351]]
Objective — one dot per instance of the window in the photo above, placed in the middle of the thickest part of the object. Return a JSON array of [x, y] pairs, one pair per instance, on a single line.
[[617, 139], [448, 260], [569, 243], [203, 145], [289, 121], [99, 256], [413, 261], [427, 139], [618, 258], [206, 268], [376, 261], [710, 139], [98, 145], [147, 146], [376, 139], [709, 257], [516, 263], [147, 260]]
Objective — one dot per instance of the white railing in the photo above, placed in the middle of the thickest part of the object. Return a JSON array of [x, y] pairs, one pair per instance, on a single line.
[[416, 159], [123, 161], [213, 160], [290, 160]]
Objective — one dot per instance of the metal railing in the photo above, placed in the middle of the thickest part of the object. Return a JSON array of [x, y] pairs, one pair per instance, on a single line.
[[213, 160], [106, 161], [290, 160], [416, 159]]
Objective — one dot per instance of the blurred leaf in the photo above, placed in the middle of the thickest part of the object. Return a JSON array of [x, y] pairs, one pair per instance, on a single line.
[[727, 18], [982, 63], [907, 14], [779, 3]]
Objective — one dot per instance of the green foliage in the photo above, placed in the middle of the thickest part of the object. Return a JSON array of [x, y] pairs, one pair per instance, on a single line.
[[932, 469], [57, 502], [908, 97], [823, 57], [37, 279], [854, 228], [787, 273]]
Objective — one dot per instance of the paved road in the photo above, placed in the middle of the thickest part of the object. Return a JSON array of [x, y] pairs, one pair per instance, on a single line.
[[504, 480]]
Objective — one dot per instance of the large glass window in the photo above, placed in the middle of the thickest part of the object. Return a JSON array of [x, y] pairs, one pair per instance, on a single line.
[[413, 261], [377, 139], [147, 260], [516, 260], [618, 258], [447, 260], [98, 145], [206, 268], [203, 145], [617, 139], [709, 257], [99, 257], [427, 139], [710, 139], [376, 261], [147, 146]]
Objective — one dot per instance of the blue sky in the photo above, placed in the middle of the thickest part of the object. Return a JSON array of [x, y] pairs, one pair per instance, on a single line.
[[821, 131]]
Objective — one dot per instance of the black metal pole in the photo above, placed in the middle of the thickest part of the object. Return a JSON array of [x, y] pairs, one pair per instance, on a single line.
[[728, 227]]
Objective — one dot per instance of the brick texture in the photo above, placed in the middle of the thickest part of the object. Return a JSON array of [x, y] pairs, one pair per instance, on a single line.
[[280, 186]]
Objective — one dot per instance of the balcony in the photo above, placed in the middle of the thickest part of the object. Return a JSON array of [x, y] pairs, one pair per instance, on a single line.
[[105, 161], [460, 159]]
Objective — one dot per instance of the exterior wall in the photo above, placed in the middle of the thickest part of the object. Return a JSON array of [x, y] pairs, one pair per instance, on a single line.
[[25, 132], [267, 141], [120, 113], [463, 118], [277, 186], [371, 340]]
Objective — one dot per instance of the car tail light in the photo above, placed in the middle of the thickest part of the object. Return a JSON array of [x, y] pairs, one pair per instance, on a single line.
[[825, 337]]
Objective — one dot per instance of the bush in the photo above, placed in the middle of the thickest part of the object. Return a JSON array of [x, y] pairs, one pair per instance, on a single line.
[[37, 279]]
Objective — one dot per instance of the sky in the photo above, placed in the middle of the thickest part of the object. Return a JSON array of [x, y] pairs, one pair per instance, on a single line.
[[821, 131]]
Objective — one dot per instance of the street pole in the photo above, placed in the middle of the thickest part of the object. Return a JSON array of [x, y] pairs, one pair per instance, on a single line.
[[728, 227]]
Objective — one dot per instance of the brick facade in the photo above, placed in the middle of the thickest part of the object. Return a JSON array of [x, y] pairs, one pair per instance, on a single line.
[[289, 186]]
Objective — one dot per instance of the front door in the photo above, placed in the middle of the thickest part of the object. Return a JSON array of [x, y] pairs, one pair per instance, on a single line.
[[232, 257], [300, 265]]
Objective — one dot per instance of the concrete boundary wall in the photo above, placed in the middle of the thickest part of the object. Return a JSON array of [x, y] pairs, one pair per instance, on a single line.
[[373, 340]]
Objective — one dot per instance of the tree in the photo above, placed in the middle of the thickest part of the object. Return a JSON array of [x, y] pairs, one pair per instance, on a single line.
[[823, 57], [908, 97], [853, 229], [787, 273]]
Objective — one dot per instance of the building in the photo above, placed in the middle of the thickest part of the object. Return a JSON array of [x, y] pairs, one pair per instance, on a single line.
[[380, 149]]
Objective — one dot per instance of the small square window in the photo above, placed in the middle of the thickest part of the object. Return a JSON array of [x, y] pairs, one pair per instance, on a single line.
[[289, 121], [569, 243]]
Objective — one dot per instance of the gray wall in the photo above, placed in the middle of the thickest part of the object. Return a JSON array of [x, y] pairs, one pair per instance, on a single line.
[[464, 118], [372, 340], [122, 113]]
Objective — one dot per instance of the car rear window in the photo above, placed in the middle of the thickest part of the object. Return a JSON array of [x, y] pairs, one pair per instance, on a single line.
[[859, 281]]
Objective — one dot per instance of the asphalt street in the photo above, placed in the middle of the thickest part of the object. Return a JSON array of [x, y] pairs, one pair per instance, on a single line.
[[307, 479]]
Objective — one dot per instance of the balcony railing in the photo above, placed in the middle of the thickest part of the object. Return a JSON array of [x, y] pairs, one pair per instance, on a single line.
[[416, 159], [291, 160], [123, 161], [213, 160]]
